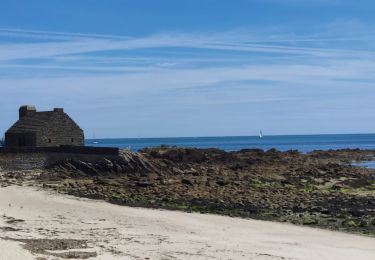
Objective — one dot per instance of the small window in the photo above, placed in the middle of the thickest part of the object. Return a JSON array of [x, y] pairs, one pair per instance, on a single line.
[[72, 140], [49, 140]]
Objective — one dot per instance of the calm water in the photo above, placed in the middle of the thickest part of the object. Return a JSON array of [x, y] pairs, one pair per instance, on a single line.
[[303, 143], [369, 164]]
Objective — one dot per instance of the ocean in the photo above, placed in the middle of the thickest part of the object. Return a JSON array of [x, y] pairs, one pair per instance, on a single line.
[[303, 143]]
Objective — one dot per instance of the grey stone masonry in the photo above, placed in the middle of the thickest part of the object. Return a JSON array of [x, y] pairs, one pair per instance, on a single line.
[[43, 129]]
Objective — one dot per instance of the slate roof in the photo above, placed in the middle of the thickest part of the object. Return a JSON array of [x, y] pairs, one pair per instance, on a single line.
[[34, 122]]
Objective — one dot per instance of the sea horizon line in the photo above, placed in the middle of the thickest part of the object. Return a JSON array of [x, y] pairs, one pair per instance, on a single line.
[[230, 136]]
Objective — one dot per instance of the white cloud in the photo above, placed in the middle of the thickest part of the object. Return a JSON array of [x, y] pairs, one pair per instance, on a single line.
[[172, 73], [225, 42]]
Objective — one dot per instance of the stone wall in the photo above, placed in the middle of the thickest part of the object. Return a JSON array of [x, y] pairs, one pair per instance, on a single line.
[[22, 161], [60, 131], [20, 139], [26, 161], [64, 149]]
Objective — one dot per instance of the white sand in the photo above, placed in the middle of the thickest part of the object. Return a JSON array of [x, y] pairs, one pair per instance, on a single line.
[[117, 232]]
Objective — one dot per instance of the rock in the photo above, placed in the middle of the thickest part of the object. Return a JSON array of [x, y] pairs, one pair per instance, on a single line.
[[356, 213], [144, 184], [187, 182], [349, 223], [118, 168], [286, 185], [363, 223], [310, 221], [222, 182], [325, 211]]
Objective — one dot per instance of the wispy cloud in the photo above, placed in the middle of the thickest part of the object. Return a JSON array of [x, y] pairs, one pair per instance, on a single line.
[[238, 69], [231, 53], [82, 43]]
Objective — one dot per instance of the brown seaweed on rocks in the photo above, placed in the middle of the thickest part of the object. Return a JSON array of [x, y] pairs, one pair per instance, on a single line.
[[319, 189]]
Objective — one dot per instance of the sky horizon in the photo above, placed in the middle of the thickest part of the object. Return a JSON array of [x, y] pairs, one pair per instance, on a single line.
[[130, 69]]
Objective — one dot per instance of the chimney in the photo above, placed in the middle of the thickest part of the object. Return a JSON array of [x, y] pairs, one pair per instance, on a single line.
[[25, 110], [58, 110]]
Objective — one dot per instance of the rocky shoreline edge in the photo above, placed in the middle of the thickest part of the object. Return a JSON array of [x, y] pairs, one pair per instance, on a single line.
[[319, 189]]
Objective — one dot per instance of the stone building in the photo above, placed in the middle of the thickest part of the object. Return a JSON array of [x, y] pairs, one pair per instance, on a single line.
[[43, 129]]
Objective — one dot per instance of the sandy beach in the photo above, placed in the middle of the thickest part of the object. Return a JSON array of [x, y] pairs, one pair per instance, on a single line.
[[118, 232]]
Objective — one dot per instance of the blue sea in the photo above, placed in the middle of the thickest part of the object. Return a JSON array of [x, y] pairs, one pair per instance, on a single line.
[[367, 164], [303, 143]]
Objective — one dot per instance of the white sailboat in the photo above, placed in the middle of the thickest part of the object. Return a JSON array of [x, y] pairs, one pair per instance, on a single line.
[[260, 134], [94, 139]]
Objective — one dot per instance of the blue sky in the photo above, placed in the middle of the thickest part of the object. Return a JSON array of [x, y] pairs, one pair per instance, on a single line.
[[162, 68]]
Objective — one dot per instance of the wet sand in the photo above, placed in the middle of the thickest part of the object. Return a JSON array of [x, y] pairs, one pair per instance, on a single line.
[[118, 232]]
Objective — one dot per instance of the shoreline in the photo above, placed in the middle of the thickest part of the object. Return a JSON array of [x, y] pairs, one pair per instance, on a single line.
[[129, 233], [321, 189]]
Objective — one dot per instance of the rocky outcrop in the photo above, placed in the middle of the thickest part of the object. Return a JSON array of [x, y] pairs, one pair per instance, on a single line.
[[321, 188], [127, 163]]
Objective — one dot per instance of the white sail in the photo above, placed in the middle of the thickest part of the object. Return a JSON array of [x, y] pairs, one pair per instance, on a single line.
[[260, 134], [94, 139]]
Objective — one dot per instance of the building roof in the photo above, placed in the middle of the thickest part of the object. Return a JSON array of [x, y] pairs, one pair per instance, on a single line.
[[35, 121]]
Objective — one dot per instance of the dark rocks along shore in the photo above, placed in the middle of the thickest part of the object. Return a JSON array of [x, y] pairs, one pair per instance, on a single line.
[[320, 189]]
